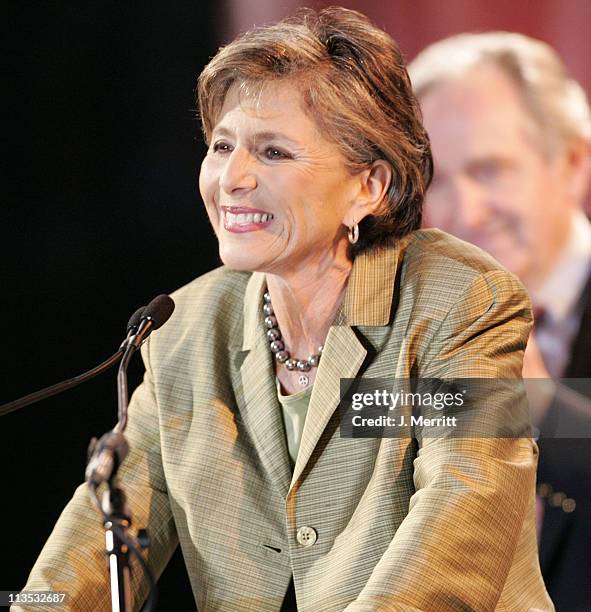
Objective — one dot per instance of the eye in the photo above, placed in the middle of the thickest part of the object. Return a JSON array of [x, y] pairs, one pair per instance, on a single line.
[[489, 170], [221, 146], [273, 154]]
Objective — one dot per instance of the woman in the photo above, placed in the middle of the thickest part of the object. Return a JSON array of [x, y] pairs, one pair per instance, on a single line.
[[313, 182]]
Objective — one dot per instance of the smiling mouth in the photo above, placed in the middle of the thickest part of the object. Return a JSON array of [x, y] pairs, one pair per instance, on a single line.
[[240, 220]]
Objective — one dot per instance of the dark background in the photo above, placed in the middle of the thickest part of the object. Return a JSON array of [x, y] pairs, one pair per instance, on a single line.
[[101, 213]]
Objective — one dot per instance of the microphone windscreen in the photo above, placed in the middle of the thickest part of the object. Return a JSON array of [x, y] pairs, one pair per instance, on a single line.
[[159, 310], [135, 319]]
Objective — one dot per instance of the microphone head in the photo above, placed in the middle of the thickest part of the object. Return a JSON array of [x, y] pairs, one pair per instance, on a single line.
[[158, 310], [135, 319]]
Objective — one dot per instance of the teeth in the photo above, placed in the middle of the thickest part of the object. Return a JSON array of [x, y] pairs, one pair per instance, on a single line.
[[246, 218]]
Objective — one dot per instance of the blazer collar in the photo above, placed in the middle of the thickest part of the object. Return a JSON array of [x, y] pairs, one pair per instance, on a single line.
[[367, 299], [253, 299]]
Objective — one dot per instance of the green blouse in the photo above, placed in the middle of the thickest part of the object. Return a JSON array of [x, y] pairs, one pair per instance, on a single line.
[[294, 408]]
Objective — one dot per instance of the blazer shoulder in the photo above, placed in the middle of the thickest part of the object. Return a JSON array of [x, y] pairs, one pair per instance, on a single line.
[[212, 291], [439, 269], [443, 258], [437, 248], [208, 309]]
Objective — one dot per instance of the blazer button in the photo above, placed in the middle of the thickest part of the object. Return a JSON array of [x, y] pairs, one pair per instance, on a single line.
[[306, 536]]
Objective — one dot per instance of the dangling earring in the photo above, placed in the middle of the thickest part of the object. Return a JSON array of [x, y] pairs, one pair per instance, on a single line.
[[353, 233]]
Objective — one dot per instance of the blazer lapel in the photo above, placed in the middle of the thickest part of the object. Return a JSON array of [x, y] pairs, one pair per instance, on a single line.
[[258, 404], [367, 302], [342, 357]]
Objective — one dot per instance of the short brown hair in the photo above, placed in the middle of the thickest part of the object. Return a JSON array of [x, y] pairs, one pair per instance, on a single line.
[[354, 85]]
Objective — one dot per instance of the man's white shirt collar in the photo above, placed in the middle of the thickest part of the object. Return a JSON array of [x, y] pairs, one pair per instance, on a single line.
[[562, 289]]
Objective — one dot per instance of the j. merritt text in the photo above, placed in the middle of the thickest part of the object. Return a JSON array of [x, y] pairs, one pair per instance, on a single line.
[[403, 421]]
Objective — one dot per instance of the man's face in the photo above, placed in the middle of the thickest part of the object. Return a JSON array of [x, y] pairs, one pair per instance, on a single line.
[[493, 185]]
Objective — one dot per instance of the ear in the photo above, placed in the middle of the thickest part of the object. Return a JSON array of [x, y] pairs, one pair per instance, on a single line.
[[578, 164], [372, 185]]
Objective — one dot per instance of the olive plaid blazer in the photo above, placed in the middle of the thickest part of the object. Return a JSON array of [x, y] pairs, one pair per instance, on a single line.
[[401, 524]]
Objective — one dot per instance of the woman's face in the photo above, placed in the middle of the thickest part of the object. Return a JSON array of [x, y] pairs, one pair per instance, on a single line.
[[276, 192]]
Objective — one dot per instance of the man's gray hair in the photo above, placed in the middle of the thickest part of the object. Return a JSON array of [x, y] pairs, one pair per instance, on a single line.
[[555, 101]]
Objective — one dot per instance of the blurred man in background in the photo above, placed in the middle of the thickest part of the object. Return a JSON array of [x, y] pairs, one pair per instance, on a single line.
[[511, 138]]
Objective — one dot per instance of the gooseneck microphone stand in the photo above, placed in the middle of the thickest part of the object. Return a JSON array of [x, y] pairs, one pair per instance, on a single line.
[[105, 457]]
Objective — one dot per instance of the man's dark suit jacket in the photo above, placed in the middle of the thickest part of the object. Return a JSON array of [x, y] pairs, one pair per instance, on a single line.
[[564, 474]]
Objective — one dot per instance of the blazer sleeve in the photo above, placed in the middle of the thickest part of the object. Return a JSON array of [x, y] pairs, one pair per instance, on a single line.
[[455, 547], [73, 559]]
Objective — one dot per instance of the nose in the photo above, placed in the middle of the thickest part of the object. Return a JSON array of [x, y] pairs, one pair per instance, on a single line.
[[238, 173], [472, 211]]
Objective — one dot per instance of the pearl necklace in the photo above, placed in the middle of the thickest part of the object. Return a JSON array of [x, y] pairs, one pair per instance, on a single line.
[[278, 349]]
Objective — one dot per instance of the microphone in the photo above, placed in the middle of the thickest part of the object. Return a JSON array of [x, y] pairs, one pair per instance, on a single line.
[[132, 326], [106, 455], [159, 310], [135, 319], [145, 320], [153, 316]]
